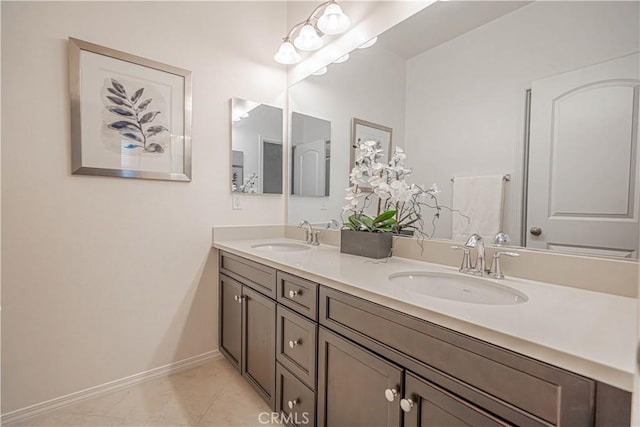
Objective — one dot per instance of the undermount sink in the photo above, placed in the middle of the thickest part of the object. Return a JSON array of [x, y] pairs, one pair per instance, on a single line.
[[457, 287], [281, 247]]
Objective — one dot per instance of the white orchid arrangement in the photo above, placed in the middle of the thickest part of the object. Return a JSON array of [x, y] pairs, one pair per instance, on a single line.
[[399, 204]]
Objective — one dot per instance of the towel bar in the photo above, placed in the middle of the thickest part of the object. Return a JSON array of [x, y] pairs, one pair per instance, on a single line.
[[506, 177]]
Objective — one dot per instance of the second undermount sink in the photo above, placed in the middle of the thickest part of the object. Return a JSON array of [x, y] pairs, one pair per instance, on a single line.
[[281, 247], [457, 287]]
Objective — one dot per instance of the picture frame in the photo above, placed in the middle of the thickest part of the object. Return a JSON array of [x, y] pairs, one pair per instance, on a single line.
[[362, 130], [130, 116]]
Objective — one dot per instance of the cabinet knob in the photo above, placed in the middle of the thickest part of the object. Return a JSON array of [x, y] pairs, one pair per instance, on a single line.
[[292, 294], [292, 403], [391, 394], [294, 344], [239, 299], [406, 404]]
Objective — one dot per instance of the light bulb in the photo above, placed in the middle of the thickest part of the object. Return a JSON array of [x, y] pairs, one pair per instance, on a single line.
[[308, 39], [342, 59], [369, 43], [320, 72], [333, 20], [287, 54]]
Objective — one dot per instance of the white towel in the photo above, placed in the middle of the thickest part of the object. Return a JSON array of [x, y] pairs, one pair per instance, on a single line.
[[480, 198]]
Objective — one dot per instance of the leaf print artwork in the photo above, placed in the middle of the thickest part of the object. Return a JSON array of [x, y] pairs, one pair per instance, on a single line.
[[134, 122]]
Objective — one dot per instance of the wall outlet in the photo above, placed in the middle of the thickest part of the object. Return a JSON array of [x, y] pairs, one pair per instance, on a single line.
[[236, 202]]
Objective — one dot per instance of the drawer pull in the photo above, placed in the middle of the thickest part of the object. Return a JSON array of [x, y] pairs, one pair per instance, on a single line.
[[294, 344], [391, 394], [406, 404], [292, 294], [292, 403]]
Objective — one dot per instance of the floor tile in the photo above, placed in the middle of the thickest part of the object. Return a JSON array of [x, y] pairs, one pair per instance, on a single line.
[[211, 394]]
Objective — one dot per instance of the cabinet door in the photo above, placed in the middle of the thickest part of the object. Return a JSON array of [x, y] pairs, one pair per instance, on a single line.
[[259, 356], [427, 405], [352, 383], [230, 319]]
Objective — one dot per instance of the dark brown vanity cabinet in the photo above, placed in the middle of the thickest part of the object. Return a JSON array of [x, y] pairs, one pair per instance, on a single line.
[[477, 380], [247, 319], [327, 358]]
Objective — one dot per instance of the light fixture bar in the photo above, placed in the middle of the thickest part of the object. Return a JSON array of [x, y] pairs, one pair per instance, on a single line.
[[310, 32]]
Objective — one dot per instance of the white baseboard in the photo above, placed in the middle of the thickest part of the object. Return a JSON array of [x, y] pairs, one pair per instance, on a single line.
[[79, 396]]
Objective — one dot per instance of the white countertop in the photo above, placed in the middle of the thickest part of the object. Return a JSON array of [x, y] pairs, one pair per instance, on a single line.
[[590, 333]]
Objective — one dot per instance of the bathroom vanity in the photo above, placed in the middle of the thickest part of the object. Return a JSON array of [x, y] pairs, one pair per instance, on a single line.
[[318, 348]]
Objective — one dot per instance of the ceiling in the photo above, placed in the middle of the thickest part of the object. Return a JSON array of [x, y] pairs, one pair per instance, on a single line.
[[442, 21]]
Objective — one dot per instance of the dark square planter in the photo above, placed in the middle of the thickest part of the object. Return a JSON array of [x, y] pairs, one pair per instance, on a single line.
[[367, 244]]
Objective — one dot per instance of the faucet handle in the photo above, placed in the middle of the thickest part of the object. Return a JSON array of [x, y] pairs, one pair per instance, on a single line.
[[333, 224], [495, 264], [465, 266]]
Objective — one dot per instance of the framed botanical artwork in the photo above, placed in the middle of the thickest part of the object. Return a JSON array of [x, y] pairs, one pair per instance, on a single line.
[[362, 130], [130, 116]]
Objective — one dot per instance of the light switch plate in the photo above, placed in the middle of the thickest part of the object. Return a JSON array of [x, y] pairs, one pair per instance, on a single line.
[[236, 202]]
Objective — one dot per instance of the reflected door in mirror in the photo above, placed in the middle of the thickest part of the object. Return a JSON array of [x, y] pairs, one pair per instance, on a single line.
[[583, 160], [310, 155]]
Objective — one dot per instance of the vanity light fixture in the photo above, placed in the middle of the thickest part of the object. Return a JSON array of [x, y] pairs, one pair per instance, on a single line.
[[310, 32], [342, 59], [369, 43], [320, 72], [308, 39]]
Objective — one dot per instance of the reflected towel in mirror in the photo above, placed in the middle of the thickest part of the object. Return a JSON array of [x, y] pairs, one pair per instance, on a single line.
[[481, 199]]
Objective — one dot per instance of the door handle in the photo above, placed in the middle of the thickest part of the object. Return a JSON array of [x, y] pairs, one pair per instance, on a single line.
[[536, 231]]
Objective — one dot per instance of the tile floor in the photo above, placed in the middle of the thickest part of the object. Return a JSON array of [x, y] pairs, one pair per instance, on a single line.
[[211, 394]]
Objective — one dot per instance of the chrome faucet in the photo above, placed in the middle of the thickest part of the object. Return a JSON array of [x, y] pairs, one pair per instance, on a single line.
[[502, 238], [308, 230], [476, 241]]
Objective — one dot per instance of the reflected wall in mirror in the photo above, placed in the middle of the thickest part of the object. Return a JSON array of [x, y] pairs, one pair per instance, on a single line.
[[256, 147], [453, 80], [310, 156], [362, 131]]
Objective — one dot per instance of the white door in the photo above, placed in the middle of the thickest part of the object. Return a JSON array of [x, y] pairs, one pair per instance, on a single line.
[[583, 160], [309, 168]]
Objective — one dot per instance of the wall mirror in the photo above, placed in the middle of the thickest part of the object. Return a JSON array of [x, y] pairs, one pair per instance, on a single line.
[[256, 147], [530, 90], [310, 156]]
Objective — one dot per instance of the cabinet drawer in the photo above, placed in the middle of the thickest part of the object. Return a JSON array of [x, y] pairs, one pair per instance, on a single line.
[[296, 346], [294, 399], [255, 275], [298, 294], [519, 389]]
